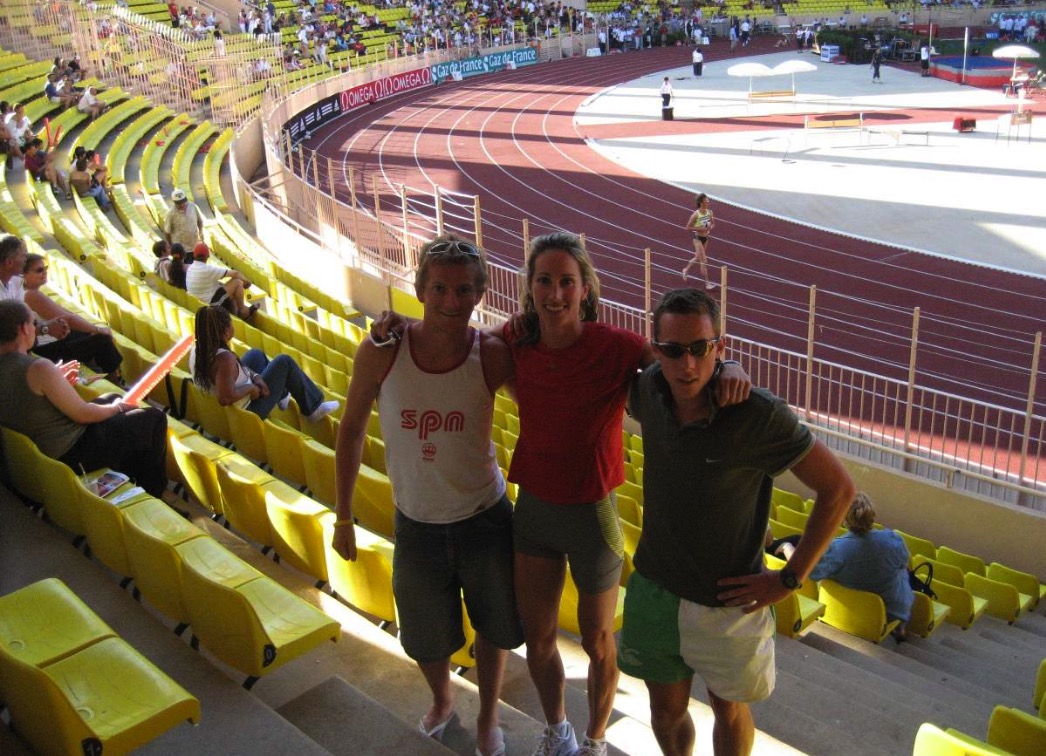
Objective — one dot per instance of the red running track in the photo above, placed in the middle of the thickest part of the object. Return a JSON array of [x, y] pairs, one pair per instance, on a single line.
[[510, 138]]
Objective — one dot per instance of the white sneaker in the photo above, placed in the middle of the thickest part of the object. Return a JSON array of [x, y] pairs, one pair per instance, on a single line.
[[592, 748], [554, 744], [322, 411], [285, 402]]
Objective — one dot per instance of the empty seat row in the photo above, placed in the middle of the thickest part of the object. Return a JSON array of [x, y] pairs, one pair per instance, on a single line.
[[244, 618], [72, 686]]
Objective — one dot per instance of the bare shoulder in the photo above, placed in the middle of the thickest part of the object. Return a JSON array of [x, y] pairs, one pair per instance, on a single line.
[[372, 362]]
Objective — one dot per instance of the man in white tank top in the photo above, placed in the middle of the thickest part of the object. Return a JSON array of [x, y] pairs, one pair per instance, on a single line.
[[435, 393]]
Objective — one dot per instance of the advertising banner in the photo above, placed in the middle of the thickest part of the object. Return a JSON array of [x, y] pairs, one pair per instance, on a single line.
[[484, 64], [329, 108]]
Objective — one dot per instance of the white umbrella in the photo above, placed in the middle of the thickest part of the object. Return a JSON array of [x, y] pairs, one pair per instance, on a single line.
[[1016, 52], [793, 67], [750, 70]]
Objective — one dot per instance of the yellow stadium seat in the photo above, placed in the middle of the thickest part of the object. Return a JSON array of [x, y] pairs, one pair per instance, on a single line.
[[323, 430], [1024, 582], [45, 621], [919, 546], [631, 534], [296, 529], [512, 424], [927, 615], [788, 499], [196, 458], [208, 414], [373, 504], [465, 657], [628, 509], [103, 524], [780, 530], [635, 442], [964, 562], [1017, 732], [284, 451], [1039, 695], [792, 518], [245, 619], [320, 476], [859, 613], [1004, 601], [243, 500], [796, 612], [942, 572], [152, 530], [365, 583], [568, 604], [246, 434], [633, 490], [374, 454], [105, 698], [965, 607], [933, 741], [23, 465]]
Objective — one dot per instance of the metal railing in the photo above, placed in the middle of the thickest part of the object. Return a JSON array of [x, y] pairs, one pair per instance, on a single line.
[[981, 448]]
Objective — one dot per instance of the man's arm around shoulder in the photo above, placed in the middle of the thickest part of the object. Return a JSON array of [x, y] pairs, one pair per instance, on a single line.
[[498, 365]]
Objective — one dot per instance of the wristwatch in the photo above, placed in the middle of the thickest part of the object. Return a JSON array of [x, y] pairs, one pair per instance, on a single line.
[[789, 579], [44, 330]]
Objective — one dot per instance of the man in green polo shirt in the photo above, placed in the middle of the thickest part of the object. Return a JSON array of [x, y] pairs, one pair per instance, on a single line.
[[699, 599]]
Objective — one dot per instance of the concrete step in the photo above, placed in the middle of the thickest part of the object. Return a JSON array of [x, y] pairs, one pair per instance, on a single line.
[[345, 720], [919, 682], [811, 720]]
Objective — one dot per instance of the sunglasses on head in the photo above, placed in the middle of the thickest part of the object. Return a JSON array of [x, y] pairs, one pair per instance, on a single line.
[[699, 348], [451, 247]]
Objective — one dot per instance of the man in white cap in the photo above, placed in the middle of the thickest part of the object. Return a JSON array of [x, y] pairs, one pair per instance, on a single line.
[[184, 221], [204, 281]]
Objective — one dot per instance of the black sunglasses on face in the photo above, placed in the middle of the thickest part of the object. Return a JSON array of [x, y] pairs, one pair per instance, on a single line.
[[699, 348]]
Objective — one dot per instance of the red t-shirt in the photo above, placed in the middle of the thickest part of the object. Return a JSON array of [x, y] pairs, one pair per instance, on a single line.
[[571, 403], [35, 164]]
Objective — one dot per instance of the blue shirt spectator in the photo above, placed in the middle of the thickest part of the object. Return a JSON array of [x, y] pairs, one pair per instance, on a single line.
[[869, 560]]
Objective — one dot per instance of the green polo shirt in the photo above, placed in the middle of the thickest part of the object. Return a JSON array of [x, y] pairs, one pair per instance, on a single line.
[[707, 486]]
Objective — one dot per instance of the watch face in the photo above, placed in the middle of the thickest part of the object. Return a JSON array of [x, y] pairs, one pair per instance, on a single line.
[[789, 579]]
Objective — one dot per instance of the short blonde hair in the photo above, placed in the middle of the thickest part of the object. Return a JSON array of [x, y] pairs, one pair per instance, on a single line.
[[861, 517]]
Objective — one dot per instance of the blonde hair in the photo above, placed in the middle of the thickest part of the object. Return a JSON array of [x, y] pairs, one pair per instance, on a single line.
[[861, 517]]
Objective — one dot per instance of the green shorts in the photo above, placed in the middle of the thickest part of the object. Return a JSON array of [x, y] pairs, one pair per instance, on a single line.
[[666, 639]]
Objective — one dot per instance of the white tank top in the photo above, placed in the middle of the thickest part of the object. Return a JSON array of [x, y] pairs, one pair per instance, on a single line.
[[436, 428]]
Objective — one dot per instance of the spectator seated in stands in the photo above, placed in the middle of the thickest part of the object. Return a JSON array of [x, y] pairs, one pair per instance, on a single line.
[[204, 281], [40, 165], [8, 144], [872, 560], [85, 184], [86, 342], [40, 402], [59, 91], [254, 382], [90, 104], [19, 127], [170, 266]]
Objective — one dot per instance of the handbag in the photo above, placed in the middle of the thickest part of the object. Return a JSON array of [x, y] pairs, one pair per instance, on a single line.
[[920, 585]]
